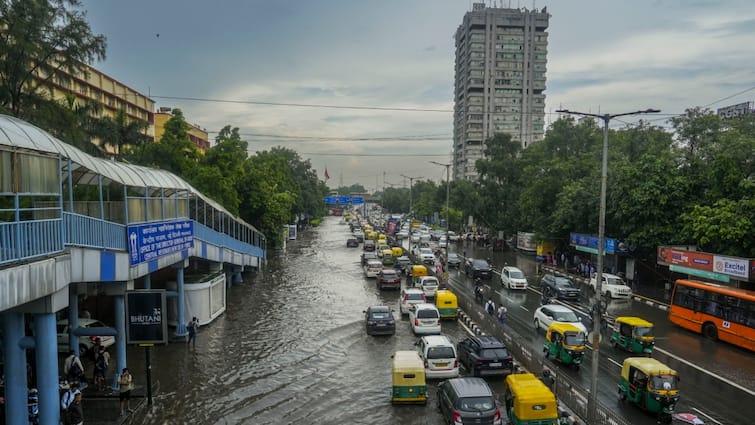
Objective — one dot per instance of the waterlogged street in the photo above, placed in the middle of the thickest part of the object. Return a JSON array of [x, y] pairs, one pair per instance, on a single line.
[[291, 348]]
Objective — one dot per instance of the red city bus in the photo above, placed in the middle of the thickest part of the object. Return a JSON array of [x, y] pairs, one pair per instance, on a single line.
[[716, 311]]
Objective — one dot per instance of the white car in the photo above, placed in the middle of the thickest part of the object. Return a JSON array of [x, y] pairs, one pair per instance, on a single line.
[[373, 268], [426, 255], [439, 355], [513, 278], [442, 242], [550, 313], [85, 342], [409, 298], [424, 319], [452, 236], [613, 286], [415, 237], [429, 285]]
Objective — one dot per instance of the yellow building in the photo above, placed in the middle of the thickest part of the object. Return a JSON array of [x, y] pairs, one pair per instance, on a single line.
[[196, 135], [110, 94]]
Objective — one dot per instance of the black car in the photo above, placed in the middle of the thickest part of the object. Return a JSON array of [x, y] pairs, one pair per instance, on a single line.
[[476, 267], [369, 245], [468, 400], [484, 355], [379, 320], [559, 287], [352, 243], [454, 260], [389, 279]]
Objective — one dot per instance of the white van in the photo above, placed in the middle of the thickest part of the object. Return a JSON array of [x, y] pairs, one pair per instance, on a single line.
[[373, 268], [425, 319], [429, 285], [513, 278], [439, 355]]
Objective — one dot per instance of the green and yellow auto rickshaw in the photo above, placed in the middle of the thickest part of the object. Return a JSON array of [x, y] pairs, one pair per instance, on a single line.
[[529, 401], [565, 343], [447, 303], [634, 335], [651, 385], [409, 385]]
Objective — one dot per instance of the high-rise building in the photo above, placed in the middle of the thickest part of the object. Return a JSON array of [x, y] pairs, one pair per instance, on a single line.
[[500, 80]]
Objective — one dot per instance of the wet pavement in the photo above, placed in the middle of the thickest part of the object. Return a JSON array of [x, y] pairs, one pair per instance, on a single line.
[[291, 346]]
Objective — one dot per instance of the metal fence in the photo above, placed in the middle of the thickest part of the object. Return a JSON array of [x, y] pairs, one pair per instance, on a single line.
[[568, 391], [28, 239], [88, 231]]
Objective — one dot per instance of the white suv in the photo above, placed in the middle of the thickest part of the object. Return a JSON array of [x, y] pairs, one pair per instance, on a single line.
[[429, 285], [513, 278], [425, 319], [550, 313], [426, 255], [409, 298], [613, 286], [439, 355]]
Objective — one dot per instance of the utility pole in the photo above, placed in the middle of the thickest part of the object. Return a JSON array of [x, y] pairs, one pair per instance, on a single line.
[[592, 398], [448, 223]]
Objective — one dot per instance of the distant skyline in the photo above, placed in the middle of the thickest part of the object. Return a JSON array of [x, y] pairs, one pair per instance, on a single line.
[[608, 56]]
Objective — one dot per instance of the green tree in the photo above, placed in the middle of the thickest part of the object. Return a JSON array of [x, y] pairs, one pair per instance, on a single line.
[[174, 152], [120, 132], [499, 179], [396, 200], [71, 121], [348, 190], [42, 40], [724, 228]]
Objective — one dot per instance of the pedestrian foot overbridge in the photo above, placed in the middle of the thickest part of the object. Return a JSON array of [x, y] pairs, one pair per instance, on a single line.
[[73, 226]]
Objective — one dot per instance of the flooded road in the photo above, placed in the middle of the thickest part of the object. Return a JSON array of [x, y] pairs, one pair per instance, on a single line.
[[292, 347]]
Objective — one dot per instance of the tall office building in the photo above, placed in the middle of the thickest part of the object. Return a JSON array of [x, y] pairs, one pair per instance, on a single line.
[[500, 80]]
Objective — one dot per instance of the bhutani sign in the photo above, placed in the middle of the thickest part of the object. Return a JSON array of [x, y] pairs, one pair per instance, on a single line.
[[735, 111]]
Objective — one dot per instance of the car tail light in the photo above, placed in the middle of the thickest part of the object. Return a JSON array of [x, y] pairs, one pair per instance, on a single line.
[[424, 298], [480, 361], [416, 322], [456, 363], [497, 417], [457, 417], [438, 322], [425, 364]]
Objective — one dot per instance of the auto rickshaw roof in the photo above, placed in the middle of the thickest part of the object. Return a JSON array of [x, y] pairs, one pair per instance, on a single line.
[[562, 327], [444, 293], [647, 365], [530, 392], [407, 361], [633, 321], [418, 268]]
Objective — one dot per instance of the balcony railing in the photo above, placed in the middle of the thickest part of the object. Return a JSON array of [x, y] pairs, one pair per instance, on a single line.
[[28, 239], [82, 230]]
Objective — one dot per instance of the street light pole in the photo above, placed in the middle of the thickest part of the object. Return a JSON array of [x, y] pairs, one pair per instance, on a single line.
[[411, 216], [592, 399], [448, 223]]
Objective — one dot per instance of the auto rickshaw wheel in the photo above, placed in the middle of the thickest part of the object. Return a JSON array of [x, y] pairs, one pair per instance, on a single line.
[[622, 395], [710, 331]]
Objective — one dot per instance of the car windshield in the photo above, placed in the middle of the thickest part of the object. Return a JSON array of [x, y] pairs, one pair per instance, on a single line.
[[643, 331], [379, 315], [663, 382], [453, 257], [516, 274], [476, 404], [614, 281], [389, 273], [563, 282], [494, 353], [565, 316], [415, 297], [440, 353], [480, 264], [427, 313], [429, 282], [575, 338], [425, 251]]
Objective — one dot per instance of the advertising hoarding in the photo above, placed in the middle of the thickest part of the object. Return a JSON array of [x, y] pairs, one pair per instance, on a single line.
[[735, 267], [735, 111], [146, 317]]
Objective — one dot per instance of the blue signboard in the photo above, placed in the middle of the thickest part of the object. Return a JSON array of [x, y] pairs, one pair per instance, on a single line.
[[344, 199], [150, 241], [330, 199], [591, 242], [357, 200]]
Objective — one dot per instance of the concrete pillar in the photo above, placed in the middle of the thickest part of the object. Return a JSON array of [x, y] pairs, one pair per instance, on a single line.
[[119, 310], [237, 278], [16, 408], [73, 317], [228, 279], [47, 368], [180, 301], [148, 281]]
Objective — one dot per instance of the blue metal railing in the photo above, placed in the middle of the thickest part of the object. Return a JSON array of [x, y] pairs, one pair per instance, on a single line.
[[27, 239], [82, 230], [214, 237]]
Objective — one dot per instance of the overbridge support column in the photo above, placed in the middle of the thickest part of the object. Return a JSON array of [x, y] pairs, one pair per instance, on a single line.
[[180, 300], [16, 407], [46, 352], [119, 309], [73, 316], [237, 278]]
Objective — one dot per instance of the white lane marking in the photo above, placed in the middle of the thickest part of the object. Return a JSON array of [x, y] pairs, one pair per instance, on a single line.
[[692, 365], [707, 416], [523, 308], [614, 361]]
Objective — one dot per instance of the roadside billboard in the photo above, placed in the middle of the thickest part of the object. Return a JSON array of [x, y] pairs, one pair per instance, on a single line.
[[738, 268], [525, 241], [146, 317]]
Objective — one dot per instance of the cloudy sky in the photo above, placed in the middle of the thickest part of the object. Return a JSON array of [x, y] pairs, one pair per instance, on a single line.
[[360, 56]]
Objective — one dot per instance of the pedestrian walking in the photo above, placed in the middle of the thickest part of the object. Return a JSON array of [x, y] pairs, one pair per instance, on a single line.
[[100, 368], [72, 368], [193, 327], [490, 306], [74, 414], [68, 396], [502, 312], [125, 383]]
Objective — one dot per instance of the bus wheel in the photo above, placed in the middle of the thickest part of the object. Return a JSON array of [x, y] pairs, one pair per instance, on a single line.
[[710, 331]]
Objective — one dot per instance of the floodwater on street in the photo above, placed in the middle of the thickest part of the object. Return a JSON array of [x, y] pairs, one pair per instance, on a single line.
[[292, 348]]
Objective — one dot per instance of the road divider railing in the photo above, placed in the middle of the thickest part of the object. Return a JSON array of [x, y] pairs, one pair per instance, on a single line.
[[567, 391]]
